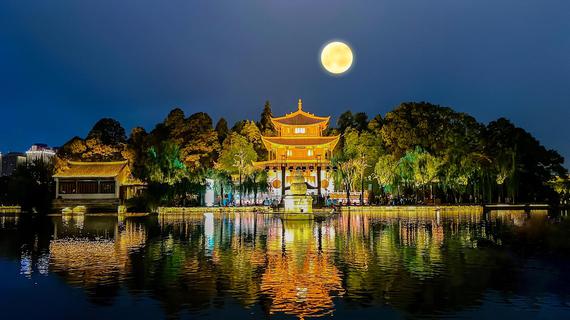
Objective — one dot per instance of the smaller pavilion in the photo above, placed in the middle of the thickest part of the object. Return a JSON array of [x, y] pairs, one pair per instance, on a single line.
[[96, 181]]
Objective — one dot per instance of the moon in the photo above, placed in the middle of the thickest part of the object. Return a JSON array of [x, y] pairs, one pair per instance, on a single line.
[[337, 57]]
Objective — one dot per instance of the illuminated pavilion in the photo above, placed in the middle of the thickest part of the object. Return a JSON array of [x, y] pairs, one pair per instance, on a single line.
[[300, 145]]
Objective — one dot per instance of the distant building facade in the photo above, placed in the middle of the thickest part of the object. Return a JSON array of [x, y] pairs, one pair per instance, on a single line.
[[40, 152], [11, 161]]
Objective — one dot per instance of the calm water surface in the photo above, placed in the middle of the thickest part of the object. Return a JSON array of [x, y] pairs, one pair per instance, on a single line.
[[390, 265]]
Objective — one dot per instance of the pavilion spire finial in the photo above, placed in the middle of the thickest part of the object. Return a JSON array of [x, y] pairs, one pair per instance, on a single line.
[[300, 105]]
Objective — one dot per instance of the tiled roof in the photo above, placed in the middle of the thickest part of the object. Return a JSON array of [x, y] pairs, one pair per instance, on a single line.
[[76, 169], [304, 141], [299, 119]]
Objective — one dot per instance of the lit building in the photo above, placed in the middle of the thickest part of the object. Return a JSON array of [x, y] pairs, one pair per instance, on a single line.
[[39, 151], [11, 161], [300, 145], [96, 181]]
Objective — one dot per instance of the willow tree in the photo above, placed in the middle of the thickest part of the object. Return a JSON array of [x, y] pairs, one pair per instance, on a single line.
[[426, 170], [344, 173], [505, 171], [237, 157], [562, 186], [256, 182], [405, 170], [363, 150], [385, 171]]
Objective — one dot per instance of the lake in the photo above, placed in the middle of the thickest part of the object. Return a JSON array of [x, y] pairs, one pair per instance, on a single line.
[[247, 265]]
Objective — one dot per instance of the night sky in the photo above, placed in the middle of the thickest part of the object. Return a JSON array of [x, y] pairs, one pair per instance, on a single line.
[[64, 64]]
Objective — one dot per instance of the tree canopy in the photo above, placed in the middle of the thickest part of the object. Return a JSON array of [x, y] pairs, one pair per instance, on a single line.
[[418, 150]]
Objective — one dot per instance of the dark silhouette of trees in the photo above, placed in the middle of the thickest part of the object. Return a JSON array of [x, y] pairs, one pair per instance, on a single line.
[[108, 131], [106, 141], [358, 121], [265, 125], [31, 187], [526, 164], [222, 130]]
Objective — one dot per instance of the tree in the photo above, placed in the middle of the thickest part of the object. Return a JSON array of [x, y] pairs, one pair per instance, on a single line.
[[385, 171], [345, 173], [237, 156], [345, 121], [164, 165], [523, 165], [105, 142], [405, 170], [137, 151], [363, 148], [265, 124], [108, 131], [562, 186], [435, 129], [31, 187], [256, 182], [222, 181], [375, 125], [358, 121], [426, 169], [250, 131], [195, 137], [175, 118], [200, 147], [222, 130]]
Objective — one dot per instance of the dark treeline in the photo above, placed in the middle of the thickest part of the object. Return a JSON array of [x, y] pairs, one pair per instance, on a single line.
[[417, 153]]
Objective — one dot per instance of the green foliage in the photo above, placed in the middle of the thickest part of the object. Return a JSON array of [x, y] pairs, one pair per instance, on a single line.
[[236, 158], [105, 142], [426, 168], [405, 169], [256, 182], [164, 165], [385, 171], [346, 171], [375, 125], [414, 147], [250, 131], [237, 155], [435, 129], [361, 150]]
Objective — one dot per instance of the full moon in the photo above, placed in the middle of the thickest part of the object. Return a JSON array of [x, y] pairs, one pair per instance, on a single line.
[[336, 57]]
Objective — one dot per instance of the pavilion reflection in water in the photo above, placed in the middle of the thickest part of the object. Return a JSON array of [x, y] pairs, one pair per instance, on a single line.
[[96, 253], [300, 276]]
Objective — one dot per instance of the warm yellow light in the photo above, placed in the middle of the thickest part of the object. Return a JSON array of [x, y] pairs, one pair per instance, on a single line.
[[337, 57]]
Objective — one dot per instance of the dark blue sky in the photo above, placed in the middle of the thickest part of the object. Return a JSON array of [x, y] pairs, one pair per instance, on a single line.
[[64, 64]]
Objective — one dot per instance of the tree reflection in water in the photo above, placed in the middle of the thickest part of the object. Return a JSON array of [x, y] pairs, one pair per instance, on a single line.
[[414, 263]]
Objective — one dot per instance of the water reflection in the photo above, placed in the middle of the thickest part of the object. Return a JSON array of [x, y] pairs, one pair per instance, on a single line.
[[300, 277], [414, 263]]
